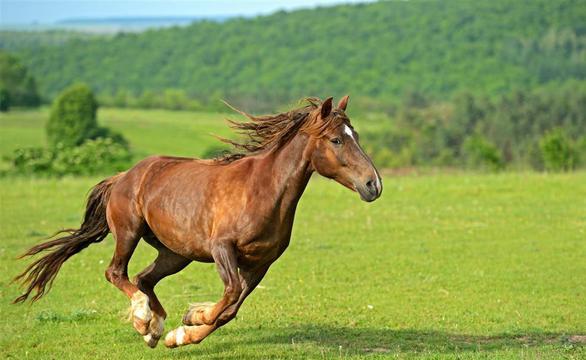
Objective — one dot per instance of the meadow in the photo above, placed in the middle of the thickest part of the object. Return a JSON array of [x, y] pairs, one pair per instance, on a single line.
[[460, 265]]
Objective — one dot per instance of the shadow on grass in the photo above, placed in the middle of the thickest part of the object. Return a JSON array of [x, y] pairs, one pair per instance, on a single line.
[[363, 341]]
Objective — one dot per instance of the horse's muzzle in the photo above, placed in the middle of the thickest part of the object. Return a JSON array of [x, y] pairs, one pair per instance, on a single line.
[[370, 190]]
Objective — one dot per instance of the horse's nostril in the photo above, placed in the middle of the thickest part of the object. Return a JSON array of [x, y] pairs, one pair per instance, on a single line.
[[370, 185]]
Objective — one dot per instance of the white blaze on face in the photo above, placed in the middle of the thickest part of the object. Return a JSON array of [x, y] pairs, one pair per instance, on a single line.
[[348, 131]]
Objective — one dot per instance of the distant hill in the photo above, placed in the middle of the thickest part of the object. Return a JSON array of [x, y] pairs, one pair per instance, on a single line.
[[133, 24], [144, 20], [379, 50], [108, 25]]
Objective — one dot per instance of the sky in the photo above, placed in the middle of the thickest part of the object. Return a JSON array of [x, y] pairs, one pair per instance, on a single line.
[[51, 11]]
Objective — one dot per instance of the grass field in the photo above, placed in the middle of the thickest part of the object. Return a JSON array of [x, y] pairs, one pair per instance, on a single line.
[[445, 266]]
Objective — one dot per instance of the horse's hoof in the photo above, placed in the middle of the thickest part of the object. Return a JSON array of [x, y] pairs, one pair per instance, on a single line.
[[196, 313], [151, 341], [155, 330], [175, 337]]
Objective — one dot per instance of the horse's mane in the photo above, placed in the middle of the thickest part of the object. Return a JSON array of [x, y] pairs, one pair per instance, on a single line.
[[273, 131]]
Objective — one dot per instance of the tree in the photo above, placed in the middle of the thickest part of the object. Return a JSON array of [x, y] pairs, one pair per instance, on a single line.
[[557, 151], [17, 86], [73, 117]]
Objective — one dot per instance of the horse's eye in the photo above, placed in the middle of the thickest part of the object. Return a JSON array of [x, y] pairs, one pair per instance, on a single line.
[[336, 141]]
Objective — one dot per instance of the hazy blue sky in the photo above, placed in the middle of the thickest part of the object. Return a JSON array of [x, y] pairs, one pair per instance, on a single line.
[[49, 11]]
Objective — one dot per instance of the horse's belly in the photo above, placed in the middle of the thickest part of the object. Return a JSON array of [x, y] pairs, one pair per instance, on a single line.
[[264, 250], [181, 236]]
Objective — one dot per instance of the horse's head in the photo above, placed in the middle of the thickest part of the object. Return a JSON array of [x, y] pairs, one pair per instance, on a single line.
[[337, 153]]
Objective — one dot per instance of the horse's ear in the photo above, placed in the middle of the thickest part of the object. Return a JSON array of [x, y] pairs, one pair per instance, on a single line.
[[326, 107], [343, 103]]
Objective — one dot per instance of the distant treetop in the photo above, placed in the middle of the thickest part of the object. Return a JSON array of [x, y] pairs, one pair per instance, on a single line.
[[379, 50]]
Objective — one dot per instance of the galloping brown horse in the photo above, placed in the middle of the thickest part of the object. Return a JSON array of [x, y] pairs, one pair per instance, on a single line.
[[236, 211]]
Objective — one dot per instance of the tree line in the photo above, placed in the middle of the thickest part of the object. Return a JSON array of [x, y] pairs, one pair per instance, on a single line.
[[543, 129], [376, 51]]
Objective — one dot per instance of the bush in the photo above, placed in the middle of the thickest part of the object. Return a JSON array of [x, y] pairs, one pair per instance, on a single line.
[[78, 145], [102, 132], [73, 117], [31, 160], [557, 151], [481, 154], [92, 157]]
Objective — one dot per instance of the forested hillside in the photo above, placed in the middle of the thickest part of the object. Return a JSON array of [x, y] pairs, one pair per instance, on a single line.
[[378, 51]]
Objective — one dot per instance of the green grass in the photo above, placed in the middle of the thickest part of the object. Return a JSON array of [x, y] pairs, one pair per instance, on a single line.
[[448, 266], [468, 266]]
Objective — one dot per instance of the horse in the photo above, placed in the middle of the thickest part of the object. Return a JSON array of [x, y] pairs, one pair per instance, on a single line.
[[235, 210]]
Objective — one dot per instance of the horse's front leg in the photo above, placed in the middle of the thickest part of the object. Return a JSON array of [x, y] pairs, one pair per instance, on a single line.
[[249, 279], [206, 316]]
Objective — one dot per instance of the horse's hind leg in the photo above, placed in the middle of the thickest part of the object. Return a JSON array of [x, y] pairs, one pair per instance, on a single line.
[[127, 227], [167, 263]]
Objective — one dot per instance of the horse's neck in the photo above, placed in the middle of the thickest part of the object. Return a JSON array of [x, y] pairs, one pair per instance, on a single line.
[[291, 171]]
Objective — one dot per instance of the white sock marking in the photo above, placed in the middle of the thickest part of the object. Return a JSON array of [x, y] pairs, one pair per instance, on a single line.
[[179, 335], [140, 306]]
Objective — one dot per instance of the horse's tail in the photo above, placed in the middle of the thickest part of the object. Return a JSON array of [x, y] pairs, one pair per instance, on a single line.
[[93, 229]]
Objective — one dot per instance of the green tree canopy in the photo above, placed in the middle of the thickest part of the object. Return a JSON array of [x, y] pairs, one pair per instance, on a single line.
[[17, 86], [378, 51]]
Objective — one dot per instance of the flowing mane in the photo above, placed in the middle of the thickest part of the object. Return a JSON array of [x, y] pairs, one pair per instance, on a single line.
[[273, 131]]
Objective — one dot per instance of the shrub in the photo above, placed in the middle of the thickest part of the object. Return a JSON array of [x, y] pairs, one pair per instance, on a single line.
[[73, 117], [102, 132], [482, 154], [32, 160], [92, 157], [78, 145], [557, 151]]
